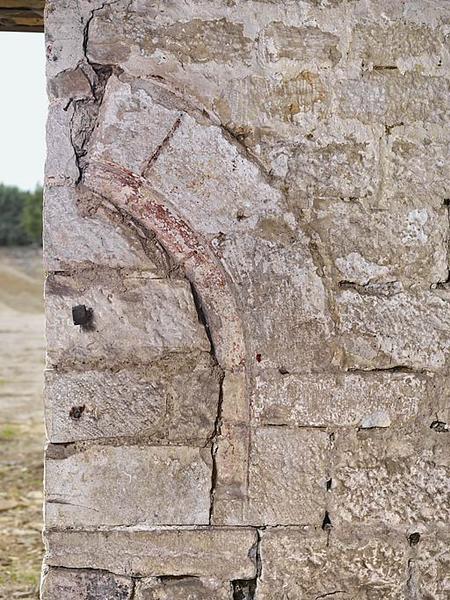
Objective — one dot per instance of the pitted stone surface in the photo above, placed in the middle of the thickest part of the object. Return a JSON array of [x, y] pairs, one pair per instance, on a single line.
[[168, 403], [189, 588], [288, 471], [90, 487], [77, 584], [131, 321], [252, 197], [224, 553], [337, 400]]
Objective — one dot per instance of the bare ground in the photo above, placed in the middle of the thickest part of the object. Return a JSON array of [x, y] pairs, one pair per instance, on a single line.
[[21, 422]]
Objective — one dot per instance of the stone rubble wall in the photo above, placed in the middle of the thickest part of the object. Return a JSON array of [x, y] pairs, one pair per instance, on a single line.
[[250, 199]]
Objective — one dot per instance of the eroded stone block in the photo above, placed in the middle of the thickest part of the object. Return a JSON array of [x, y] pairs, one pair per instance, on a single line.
[[287, 477], [398, 44], [135, 319], [380, 97], [283, 296], [407, 242], [61, 166], [175, 401], [356, 564], [337, 400], [127, 485], [221, 553], [344, 167], [189, 588], [81, 584], [393, 476], [72, 238], [399, 329]]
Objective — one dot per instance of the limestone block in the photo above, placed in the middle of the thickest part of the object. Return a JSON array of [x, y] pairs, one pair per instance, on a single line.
[[189, 588], [174, 401], [287, 478], [80, 584], [357, 564], [417, 165], [61, 166], [337, 400], [380, 97], [262, 105], [401, 329], [136, 319], [72, 238], [229, 498], [406, 242], [194, 41], [399, 44], [283, 296], [343, 167], [279, 44], [213, 185], [71, 85], [392, 476], [132, 126], [127, 485], [429, 565], [221, 553]]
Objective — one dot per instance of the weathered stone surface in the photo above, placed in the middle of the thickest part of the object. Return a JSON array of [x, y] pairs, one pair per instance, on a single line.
[[379, 97], [72, 584], [429, 565], [280, 43], [61, 165], [356, 564], [261, 228], [189, 588], [337, 400], [222, 553], [195, 41], [283, 296], [407, 242], [391, 476], [72, 238], [170, 403], [401, 329], [287, 478], [136, 319], [417, 165], [399, 45], [344, 167], [132, 126], [77, 497]]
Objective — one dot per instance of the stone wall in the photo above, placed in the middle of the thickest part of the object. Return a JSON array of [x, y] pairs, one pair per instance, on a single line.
[[248, 303]]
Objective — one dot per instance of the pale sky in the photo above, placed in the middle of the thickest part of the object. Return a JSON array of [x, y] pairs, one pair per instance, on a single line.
[[23, 109]]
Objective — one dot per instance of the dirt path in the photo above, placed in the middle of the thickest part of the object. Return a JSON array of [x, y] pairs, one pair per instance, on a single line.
[[21, 422]]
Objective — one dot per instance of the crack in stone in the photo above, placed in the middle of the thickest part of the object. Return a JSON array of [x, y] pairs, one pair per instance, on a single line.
[[161, 146]]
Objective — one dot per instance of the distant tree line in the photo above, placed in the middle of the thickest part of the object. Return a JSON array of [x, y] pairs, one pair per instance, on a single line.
[[20, 216]]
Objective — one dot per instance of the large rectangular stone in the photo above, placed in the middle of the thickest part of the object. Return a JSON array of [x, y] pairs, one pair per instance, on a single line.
[[391, 98], [135, 319], [395, 329], [392, 476], [186, 588], [81, 584], [339, 166], [356, 563], [288, 472], [407, 241], [222, 553], [349, 399], [173, 401], [127, 485]]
